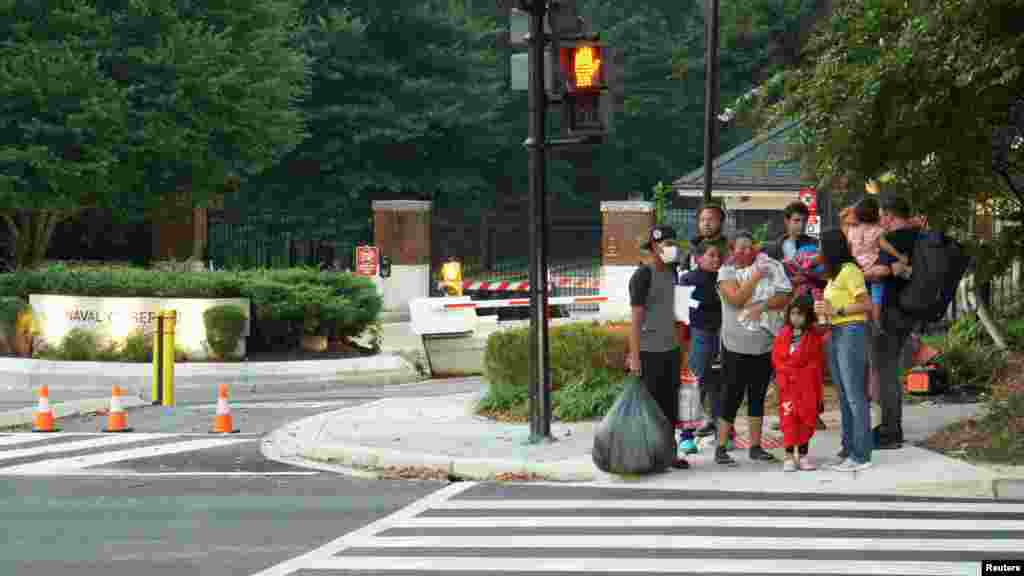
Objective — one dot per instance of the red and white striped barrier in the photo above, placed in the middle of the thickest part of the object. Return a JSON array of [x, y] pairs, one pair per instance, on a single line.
[[515, 302], [564, 282]]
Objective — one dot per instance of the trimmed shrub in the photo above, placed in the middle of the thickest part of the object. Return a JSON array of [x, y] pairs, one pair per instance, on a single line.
[[79, 344], [224, 327], [586, 369], [10, 307], [285, 303], [137, 348]]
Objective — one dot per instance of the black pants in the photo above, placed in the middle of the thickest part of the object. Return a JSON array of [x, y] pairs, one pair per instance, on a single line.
[[660, 373], [888, 361], [744, 375]]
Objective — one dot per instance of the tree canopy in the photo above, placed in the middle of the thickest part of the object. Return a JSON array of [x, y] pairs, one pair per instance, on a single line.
[[117, 105], [921, 95]]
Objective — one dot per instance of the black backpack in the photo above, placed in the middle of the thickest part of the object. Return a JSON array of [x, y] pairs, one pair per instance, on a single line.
[[938, 263]]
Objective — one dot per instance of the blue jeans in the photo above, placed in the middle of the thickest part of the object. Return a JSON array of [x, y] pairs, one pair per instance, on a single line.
[[704, 346], [848, 361]]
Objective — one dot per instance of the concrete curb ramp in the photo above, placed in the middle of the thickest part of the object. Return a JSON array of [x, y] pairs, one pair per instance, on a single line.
[[26, 416], [581, 470]]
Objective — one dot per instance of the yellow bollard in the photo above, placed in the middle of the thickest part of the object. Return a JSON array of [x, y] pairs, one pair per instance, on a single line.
[[170, 318], [158, 388]]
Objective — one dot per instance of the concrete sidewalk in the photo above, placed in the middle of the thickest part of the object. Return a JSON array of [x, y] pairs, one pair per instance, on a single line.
[[442, 433]]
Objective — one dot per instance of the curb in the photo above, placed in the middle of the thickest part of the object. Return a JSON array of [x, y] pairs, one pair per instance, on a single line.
[[1008, 489], [26, 416], [469, 468]]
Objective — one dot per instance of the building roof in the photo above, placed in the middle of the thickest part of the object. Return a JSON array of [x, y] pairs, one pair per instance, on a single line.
[[757, 165]]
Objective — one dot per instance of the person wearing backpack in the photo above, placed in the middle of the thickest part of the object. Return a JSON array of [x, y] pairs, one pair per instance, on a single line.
[[653, 342], [896, 325]]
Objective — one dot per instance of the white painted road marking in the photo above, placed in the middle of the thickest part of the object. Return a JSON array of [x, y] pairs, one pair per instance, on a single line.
[[504, 552], [103, 442], [359, 537], [688, 521], [766, 503], [58, 465], [441, 565], [675, 542]]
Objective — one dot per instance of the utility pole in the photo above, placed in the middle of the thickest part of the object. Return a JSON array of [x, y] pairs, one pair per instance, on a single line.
[[710, 92], [536, 143]]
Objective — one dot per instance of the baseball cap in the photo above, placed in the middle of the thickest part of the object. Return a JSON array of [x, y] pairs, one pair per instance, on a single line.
[[659, 233]]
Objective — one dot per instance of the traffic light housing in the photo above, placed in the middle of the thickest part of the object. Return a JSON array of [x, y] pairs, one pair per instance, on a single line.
[[451, 278]]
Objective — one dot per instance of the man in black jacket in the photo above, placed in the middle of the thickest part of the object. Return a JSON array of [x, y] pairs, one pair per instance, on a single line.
[[710, 218]]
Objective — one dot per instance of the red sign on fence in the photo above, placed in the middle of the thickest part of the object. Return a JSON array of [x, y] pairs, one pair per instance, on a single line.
[[810, 198], [367, 260]]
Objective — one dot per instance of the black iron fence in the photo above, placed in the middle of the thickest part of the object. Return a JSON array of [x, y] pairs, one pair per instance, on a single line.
[[280, 239]]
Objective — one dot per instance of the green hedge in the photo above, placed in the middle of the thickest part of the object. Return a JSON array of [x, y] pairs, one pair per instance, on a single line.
[[285, 302], [587, 370]]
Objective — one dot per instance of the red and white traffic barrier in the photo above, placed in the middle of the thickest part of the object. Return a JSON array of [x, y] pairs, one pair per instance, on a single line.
[[564, 282], [517, 302]]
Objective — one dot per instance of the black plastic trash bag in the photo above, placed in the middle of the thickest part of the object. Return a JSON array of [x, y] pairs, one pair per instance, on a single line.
[[635, 437]]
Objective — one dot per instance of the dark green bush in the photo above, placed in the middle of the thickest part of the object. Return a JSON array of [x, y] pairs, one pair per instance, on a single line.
[[137, 348], [10, 307], [586, 369], [79, 344], [285, 303], [224, 327]]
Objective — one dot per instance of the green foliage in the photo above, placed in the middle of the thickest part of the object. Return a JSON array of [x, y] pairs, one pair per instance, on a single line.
[[137, 347], [662, 194], [224, 326], [1004, 426], [10, 307], [79, 344], [126, 105], [968, 356], [879, 96], [283, 301], [587, 396], [586, 367]]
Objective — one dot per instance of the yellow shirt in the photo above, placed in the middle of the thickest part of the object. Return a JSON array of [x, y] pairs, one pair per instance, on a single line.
[[843, 290]]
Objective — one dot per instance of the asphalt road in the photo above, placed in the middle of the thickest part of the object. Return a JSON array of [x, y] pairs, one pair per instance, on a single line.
[[182, 526]]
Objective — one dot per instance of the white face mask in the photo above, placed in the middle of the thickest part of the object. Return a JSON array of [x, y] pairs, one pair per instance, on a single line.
[[669, 254]]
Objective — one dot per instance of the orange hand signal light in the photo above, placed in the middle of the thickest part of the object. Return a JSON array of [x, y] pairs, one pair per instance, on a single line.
[[587, 65], [583, 67]]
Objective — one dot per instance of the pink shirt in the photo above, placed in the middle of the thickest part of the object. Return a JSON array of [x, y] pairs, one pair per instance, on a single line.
[[864, 243]]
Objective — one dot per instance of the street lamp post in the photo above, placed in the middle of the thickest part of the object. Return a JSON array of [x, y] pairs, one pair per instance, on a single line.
[[710, 91]]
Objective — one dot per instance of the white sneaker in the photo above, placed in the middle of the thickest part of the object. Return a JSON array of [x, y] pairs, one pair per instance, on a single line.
[[846, 466], [789, 466], [863, 466]]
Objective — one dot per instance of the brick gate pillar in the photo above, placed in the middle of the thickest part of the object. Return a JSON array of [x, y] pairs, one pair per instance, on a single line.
[[624, 226], [401, 231]]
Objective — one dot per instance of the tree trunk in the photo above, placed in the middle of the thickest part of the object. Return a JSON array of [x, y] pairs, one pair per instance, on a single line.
[[995, 331], [31, 232]]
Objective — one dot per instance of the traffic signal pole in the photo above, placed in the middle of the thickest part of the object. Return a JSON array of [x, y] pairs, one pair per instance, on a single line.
[[710, 91], [536, 143]]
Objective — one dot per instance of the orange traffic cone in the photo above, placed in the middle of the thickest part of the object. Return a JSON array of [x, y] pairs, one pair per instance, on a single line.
[[117, 420], [222, 421], [44, 414]]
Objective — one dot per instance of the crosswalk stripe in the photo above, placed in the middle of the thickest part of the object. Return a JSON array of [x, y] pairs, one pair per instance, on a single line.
[[683, 504], [57, 465], [16, 439], [626, 522], [375, 564], [102, 442], [648, 542]]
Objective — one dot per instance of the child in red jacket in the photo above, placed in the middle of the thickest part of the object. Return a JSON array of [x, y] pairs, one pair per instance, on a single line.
[[799, 361]]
